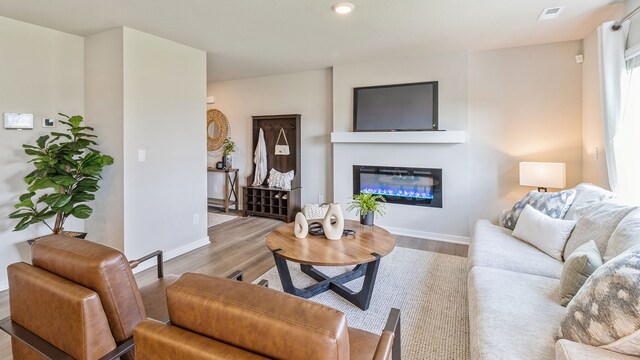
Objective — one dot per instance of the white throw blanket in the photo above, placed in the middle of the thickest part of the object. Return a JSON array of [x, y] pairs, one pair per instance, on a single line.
[[260, 159]]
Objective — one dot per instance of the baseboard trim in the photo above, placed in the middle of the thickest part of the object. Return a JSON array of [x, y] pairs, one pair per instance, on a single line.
[[4, 284], [168, 255], [455, 239]]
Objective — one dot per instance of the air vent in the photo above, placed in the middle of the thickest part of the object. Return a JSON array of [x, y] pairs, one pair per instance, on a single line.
[[550, 13]]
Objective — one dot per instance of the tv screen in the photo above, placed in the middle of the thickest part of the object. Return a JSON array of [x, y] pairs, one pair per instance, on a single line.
[[403, 107]]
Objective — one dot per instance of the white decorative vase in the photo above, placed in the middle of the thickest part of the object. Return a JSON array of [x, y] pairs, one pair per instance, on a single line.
[[333, 231], [300, 227]]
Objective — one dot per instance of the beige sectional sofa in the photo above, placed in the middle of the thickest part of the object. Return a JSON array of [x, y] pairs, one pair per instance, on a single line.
[[514, 301]]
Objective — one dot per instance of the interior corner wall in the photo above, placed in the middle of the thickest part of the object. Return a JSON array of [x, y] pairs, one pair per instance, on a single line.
[[593, 142], [41, 74], [145, 93], [525, 104], [165, 91], [306, 93], [104, 99]]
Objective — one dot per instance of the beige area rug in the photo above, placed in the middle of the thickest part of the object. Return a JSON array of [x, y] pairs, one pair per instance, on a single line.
[[430, 290], [214, 219]]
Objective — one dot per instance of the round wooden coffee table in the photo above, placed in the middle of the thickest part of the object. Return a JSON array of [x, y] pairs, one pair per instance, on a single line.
[[364, 250]]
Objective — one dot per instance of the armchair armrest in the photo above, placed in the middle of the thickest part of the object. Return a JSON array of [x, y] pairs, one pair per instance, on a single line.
[[157, 254], [46, 349], [390, 342]]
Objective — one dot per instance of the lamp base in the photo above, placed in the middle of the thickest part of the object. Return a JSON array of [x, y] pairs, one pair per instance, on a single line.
[[542, 189]]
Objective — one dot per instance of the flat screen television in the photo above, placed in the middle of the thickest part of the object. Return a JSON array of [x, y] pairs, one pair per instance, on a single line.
[[401, 107]]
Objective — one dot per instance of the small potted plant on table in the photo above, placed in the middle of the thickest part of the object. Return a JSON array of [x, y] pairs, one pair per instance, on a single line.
[[228, 147], [67, 171], [367, 205]]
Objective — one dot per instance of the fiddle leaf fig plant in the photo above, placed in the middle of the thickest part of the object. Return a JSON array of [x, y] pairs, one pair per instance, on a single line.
[[65, 178]]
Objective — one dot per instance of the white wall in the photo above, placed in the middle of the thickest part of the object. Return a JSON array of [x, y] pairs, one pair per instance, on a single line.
[[157, 105], [306, 93], [105, 112], [634, 25], [525, 104], [41, 74], [593, 149], [450, 222]]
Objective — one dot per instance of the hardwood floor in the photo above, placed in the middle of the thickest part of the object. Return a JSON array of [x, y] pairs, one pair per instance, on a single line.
[[238, 244]]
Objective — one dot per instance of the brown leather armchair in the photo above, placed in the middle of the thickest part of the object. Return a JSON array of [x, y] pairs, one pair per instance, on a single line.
[[217, 319], [79, 300]]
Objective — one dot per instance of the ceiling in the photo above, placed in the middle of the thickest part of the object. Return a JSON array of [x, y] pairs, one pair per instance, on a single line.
[[248, 38]]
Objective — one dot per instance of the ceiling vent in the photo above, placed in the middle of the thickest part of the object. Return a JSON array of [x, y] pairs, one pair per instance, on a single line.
[[550, 13]]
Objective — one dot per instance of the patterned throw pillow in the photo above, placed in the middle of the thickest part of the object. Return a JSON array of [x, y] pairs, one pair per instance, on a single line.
[[280, 180], [606, 310], [553, 204]]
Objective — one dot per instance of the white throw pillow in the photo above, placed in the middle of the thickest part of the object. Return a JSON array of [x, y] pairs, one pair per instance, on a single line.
[[280, 180], [547, 234]]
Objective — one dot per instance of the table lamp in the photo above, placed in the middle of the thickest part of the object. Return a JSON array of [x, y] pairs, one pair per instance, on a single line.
[[543, 175]]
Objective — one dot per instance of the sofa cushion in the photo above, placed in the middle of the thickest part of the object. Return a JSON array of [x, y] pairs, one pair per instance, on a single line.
[[596, 222], [569, 350], [512, 315], [544, 232], [625, 236], [606, 311], [587, 194], [493, 246], [554, 204], [577, 269]]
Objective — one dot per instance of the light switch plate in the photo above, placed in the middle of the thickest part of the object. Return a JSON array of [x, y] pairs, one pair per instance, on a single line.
[[142, 155]]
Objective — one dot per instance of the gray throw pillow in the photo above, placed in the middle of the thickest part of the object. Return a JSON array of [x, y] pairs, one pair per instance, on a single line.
[[596, 222], [606, 310], [577, 269], [587, 194], [552, 204], [625, 236]]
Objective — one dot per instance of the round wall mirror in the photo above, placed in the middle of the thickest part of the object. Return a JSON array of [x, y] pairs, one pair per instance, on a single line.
[[217, 129]]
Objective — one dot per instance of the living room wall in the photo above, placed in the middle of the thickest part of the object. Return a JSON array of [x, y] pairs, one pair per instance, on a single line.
[[634, 23], [306, 93], [41, 74], [158, 107], [525, 104]]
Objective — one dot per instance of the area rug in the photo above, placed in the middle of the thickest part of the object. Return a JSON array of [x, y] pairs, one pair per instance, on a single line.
[[214, 219], [430, 290]]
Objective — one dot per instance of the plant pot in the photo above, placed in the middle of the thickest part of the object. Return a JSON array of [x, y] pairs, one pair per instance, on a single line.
[[367, 219], [74, 234], [227, 162]]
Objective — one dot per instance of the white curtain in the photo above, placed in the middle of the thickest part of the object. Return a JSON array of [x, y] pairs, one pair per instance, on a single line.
[[613, 85]]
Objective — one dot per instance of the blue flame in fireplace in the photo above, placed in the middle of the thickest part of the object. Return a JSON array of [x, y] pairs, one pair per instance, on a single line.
[[398, 192]]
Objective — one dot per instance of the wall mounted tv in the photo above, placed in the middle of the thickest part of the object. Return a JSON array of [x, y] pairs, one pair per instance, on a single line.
[[401, 107]]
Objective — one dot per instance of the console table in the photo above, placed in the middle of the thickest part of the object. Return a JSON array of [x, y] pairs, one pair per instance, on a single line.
[[231, 189]]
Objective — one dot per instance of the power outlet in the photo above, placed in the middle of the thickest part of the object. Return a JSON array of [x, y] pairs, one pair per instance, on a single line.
[[196, 219], [321, 199]]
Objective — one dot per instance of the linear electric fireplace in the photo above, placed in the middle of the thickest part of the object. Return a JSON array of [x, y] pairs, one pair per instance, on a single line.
[[400, 185]]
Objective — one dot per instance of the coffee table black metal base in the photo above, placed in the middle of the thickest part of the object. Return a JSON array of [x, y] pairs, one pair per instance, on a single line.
[[360, 298]]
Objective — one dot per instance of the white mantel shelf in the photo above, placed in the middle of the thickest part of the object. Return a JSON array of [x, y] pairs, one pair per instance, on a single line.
[[401, 137]]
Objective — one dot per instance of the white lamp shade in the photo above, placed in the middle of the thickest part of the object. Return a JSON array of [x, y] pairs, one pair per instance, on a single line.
[[541, 174]]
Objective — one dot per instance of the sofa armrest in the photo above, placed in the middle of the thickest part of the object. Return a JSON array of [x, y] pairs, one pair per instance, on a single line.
[[570, 350]]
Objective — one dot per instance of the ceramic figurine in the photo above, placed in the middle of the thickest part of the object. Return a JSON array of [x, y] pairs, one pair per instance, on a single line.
[[300, 227], [333, 231]]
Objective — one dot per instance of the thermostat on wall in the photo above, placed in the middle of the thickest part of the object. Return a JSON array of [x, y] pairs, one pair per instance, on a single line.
[[15, 121]]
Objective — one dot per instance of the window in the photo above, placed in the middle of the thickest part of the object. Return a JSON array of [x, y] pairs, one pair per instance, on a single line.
[[627, 139]]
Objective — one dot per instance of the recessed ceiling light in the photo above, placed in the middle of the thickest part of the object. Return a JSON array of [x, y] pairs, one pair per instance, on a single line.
[[343, 8], [550, 13]]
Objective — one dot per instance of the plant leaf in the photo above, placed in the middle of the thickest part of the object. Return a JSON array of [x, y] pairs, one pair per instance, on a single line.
[[81, 211]]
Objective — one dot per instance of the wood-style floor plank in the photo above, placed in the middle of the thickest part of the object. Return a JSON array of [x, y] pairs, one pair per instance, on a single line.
[[239, 244]]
